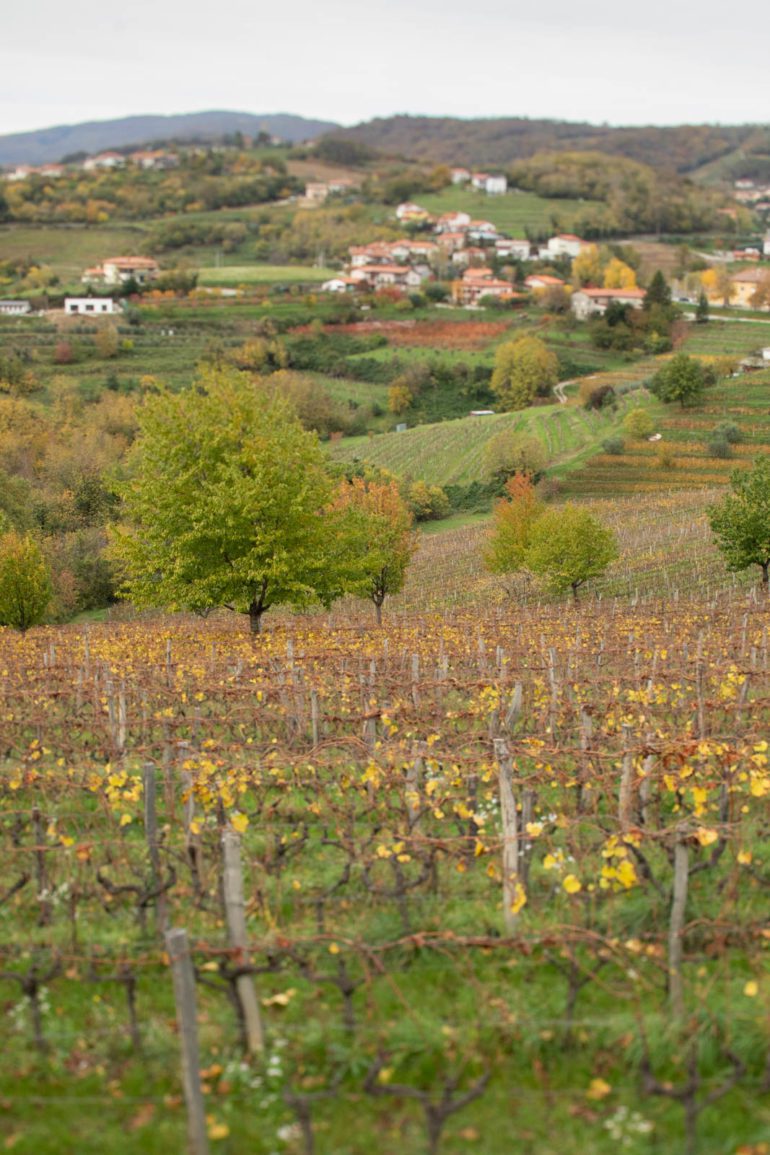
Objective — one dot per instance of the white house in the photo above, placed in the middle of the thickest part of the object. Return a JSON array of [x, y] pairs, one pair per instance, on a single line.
[[453, 222], [482, 231], [490, 183], [766, 245], [565, 245], [91, 306], [121, 270], [766, 353], [21, 172], [460, 175], [14, 308], [514, 248], [385, 276], [106, 160], [339, 285], [594, 302], [411, 212]]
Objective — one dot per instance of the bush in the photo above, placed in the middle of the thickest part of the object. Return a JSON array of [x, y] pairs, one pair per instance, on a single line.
[[509, 452], [728, 431], [595, 396], [718, 446], [638, 423], [613, 445]]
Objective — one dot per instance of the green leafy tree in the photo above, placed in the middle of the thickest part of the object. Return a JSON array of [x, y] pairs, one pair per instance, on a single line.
[[702, 309], [25, 582], [523, 369], [227, 506], [740, 522], [567, 547], [638, 423], [658, 292], [513, 519], [508, 452], [375, 537], [682, 379]]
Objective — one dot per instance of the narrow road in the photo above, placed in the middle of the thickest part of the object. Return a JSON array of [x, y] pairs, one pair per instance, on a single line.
[[559, 391]]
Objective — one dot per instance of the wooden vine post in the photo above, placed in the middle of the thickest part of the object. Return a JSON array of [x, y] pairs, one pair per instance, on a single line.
[[235, 915], [512, 885], [178, 949]]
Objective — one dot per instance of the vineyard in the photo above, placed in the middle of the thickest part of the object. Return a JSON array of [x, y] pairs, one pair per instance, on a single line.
[[491, 876]]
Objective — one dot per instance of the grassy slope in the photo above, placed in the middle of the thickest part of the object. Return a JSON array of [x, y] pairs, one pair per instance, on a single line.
[[451, 452], [512, 213], [263, 275], [69, 250]]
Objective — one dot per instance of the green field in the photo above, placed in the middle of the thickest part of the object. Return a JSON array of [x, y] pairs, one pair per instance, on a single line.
[[512, 213], [263, 275], [69, 250]]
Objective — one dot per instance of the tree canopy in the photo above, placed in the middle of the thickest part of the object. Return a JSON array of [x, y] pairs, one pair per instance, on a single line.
[[740, 522], [523, 369], [513, 519], [567, 547], [25, 582], [682, 379], [376, 539], [228, 504]]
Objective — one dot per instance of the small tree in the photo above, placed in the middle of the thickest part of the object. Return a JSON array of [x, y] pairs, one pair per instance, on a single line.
[[702, 309], [25, 582], [740, 522], [638, 423], [682, 379], [107, 342], [375, 539], [567, 547], [509, 452], [513, 519], [523, 369]]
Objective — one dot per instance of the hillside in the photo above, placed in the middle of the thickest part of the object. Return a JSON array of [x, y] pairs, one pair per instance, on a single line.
[[51, 144], [500, 141]]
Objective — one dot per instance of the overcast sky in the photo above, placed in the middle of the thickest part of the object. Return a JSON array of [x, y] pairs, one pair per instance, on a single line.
[[656, 62]]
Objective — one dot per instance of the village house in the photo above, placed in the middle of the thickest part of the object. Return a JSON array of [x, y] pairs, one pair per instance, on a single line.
[[492, 184], [408, 211], [469, 256], [453, 222], [451, 242], [387, 276], [482, 231], [766, 245], [460, 175], [339, 285], [543, 281], [745, 284], [21, 172], [90, 306], [478, 283], [51, 171], [106, 160], [154, 159], [14, 308], [564, 245], [514, 248], [122, 270], [316, 191], [594, 302]]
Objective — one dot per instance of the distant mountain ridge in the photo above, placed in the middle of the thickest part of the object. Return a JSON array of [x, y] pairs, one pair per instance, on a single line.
[[51, 144]]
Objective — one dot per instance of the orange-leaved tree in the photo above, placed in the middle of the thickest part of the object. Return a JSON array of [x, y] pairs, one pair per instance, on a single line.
[[512, 521], [377, 539]]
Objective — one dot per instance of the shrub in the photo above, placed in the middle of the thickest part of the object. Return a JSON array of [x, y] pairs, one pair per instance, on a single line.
[[718, 446], [728, 431], [508, 452], [638, 423], [613, 445]]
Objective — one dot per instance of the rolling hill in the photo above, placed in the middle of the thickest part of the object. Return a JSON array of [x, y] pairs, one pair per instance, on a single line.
[[51, 144]]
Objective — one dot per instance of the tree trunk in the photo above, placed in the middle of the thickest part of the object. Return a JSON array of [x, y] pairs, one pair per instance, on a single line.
[[255, 618], [378, 612], [765, 565]]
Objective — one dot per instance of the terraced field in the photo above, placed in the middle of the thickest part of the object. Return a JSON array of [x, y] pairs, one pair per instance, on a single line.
[[512, 213], [451, 452]]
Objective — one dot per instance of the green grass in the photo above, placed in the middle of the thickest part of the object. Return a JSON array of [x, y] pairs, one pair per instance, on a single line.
[[512, 213], [69, 250], [263, 275]]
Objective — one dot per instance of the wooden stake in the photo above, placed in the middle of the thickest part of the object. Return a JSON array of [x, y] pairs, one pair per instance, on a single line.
[[235, 914], [183, 976]]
